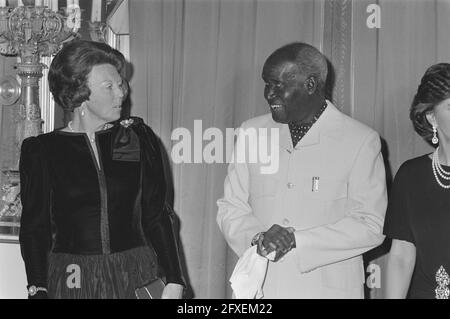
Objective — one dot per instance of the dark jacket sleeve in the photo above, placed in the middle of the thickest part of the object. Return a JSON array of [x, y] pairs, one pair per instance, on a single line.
[[156, 212], [397, 224], [35, 230]]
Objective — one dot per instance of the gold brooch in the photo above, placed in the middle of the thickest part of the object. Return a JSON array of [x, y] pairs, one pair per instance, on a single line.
[[126, 123]]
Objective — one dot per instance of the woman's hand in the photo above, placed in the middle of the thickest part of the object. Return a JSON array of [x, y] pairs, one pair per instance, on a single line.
[[172, 291]]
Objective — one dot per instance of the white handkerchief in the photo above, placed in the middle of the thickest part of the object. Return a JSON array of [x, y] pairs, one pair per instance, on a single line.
[[248, 275]]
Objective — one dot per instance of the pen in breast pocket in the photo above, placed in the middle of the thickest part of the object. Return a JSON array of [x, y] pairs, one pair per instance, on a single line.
[[315, 184]]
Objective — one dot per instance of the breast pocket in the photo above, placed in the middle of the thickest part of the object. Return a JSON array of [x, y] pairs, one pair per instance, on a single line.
[[323, 189], [325, 200]]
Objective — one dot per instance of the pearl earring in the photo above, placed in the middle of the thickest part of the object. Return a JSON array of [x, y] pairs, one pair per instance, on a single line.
[[435, 139], [82, 112]]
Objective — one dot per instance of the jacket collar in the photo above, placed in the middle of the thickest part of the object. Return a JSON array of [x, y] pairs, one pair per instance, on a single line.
[[329, 125]]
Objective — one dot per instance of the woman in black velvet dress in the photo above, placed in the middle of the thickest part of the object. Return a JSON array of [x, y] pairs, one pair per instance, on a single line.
[[94, 222], [418, 216]]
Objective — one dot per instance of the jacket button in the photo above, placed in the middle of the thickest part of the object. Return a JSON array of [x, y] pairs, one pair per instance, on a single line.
[[290, 185]]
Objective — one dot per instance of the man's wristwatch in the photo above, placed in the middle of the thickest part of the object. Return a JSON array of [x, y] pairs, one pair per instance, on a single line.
[[33, 290]]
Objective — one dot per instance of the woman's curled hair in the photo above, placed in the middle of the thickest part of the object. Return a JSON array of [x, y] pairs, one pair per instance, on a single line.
[[433, 89], [70, 68]]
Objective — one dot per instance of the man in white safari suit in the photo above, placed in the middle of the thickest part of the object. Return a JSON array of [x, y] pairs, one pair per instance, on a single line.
[[325, 205]]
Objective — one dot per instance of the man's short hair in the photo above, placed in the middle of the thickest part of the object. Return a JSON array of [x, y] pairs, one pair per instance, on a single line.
[[309, 60]]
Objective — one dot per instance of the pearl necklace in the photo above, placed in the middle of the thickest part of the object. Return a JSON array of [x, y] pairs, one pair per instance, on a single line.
[[438, 171], [91, 137]]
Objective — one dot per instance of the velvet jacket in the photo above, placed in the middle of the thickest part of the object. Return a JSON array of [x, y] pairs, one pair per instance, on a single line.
[[73, 205]]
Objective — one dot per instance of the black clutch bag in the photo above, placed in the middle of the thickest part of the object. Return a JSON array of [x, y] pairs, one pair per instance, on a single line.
[[153, 290]]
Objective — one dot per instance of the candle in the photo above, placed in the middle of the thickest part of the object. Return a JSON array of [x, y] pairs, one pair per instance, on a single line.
[[2, 3], [96, 10], [38, 3], [19, 3]]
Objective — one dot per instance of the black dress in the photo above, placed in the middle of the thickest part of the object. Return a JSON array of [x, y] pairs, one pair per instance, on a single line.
[[419, 212], [104, 222]]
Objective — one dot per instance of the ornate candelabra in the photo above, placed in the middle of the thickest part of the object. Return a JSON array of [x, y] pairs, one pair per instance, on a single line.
[[30, 32]]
